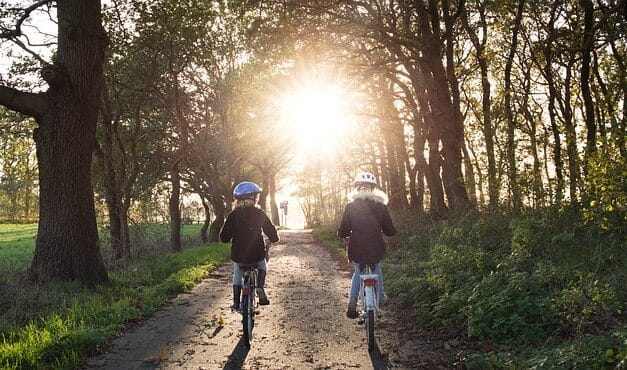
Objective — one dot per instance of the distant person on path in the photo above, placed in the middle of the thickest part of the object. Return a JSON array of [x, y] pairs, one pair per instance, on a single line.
[[365, 220], [245, 225]]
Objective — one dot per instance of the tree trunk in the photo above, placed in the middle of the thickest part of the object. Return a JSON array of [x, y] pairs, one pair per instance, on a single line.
[[471, 186], [486, 104], [555, 131], [214, 230], [125, 235], [205, 225], [437, 205], [571, 136], [67, 245], [449, 130], [588, 42], [175, 211], [512, 173], [621, 125], [115, 232], [393, 139], [276, 218]]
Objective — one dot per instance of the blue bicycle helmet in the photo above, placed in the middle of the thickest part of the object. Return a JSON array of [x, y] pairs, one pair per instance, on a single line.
[[245, 190]]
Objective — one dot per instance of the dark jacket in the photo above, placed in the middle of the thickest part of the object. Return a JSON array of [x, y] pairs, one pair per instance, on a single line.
[[366, 218], [245, 225]]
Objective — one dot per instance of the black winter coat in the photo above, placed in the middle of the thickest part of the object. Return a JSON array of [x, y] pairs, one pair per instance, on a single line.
[[365, 220], [245, 225]]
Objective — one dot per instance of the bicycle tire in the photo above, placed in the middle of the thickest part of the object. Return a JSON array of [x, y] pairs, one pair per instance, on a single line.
[[250, 323], [245, 319], [370, 329]]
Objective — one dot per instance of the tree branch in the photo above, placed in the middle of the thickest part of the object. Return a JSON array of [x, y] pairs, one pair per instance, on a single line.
[[26, 103], [18, 25]]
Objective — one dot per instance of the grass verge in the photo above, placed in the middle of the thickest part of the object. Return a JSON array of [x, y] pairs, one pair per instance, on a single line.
[[54, 326]]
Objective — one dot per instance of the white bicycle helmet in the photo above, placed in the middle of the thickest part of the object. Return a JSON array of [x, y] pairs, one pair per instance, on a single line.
[[365, 178]]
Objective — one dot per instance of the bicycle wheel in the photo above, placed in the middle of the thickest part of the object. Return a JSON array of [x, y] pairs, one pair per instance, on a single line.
[[245, 320], [370, 329], [250, 318]]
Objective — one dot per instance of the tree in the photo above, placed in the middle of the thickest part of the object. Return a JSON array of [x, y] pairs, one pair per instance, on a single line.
[[67, 240], [18, 167]]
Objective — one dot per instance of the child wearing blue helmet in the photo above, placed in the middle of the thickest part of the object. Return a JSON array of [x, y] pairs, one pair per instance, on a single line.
[[245, 226]]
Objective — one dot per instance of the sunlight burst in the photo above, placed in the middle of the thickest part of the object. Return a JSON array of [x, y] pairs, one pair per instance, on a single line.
[[318, 117]]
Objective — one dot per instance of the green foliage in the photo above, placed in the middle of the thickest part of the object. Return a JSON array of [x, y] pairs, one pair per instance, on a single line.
[[511, 307], [517, 282], [606, 191], [588, 304], [18, 168], [589, 352], [72, 319]]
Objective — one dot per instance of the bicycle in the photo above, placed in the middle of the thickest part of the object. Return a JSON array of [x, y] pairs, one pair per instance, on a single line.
[[369, 301], [248, 302]]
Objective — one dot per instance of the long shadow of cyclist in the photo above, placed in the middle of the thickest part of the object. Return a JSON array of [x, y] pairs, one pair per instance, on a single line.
[[379, 361], [238, 356]]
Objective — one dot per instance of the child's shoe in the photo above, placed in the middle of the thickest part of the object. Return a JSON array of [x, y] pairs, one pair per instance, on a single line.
[[237, 293], [263, 298], [351, 311]]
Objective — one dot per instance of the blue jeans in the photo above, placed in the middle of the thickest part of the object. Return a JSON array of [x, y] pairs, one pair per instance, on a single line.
[[356, 282], [238, 274]]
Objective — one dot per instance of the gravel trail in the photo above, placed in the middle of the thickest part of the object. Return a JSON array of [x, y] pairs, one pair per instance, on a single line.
[[304, 327]]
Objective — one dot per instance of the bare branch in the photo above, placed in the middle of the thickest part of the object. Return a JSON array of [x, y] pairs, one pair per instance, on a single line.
[[26, 49], [18, 25]]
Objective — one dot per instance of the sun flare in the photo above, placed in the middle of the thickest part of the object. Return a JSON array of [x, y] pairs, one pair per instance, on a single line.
[[317, 116]]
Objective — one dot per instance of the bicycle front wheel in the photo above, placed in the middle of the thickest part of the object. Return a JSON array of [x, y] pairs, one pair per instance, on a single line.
[[370, 329]]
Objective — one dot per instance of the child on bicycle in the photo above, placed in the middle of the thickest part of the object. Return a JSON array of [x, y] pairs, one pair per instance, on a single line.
[[245, 225], [365, 220]]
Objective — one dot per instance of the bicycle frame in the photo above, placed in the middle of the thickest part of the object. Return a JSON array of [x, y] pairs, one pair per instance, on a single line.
[[369, 302]]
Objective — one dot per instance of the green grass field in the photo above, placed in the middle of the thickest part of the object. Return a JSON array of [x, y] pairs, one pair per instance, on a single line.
[[55, 325], [17, 241], [17, 244]]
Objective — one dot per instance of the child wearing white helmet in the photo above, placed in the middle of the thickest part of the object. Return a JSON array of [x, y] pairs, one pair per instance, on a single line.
[[365, 220]]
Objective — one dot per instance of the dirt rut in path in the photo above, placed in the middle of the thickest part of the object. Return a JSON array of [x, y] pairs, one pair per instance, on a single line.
[[303, 328]]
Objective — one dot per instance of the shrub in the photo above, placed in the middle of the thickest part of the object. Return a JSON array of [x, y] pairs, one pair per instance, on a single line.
[[511, 307]]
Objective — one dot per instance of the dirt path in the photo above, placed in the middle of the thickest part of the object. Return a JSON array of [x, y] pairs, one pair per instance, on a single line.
[[303, 328]]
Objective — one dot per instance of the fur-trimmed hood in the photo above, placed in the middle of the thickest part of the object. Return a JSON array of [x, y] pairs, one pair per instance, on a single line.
[[375, 195]]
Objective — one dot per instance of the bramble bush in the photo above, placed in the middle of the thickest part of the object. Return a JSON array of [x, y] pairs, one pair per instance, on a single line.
[[549, 275]]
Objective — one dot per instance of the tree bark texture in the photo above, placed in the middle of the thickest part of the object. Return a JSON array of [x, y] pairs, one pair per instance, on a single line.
[[214, 230], [175, 211], [486, 103], [67, 244], [586, 49], [205, 225], [448, 128], [512, 174]]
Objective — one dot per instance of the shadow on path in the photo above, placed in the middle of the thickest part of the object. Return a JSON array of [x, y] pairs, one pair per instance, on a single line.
[[379, 361], [238, 356]]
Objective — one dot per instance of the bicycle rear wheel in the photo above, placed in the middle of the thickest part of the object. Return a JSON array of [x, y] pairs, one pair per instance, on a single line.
[[370, 329]]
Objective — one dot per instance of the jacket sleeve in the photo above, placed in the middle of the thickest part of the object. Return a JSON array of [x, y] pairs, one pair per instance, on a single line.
[[344, 231], [270, 230], [226, 234], [387, 226]]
